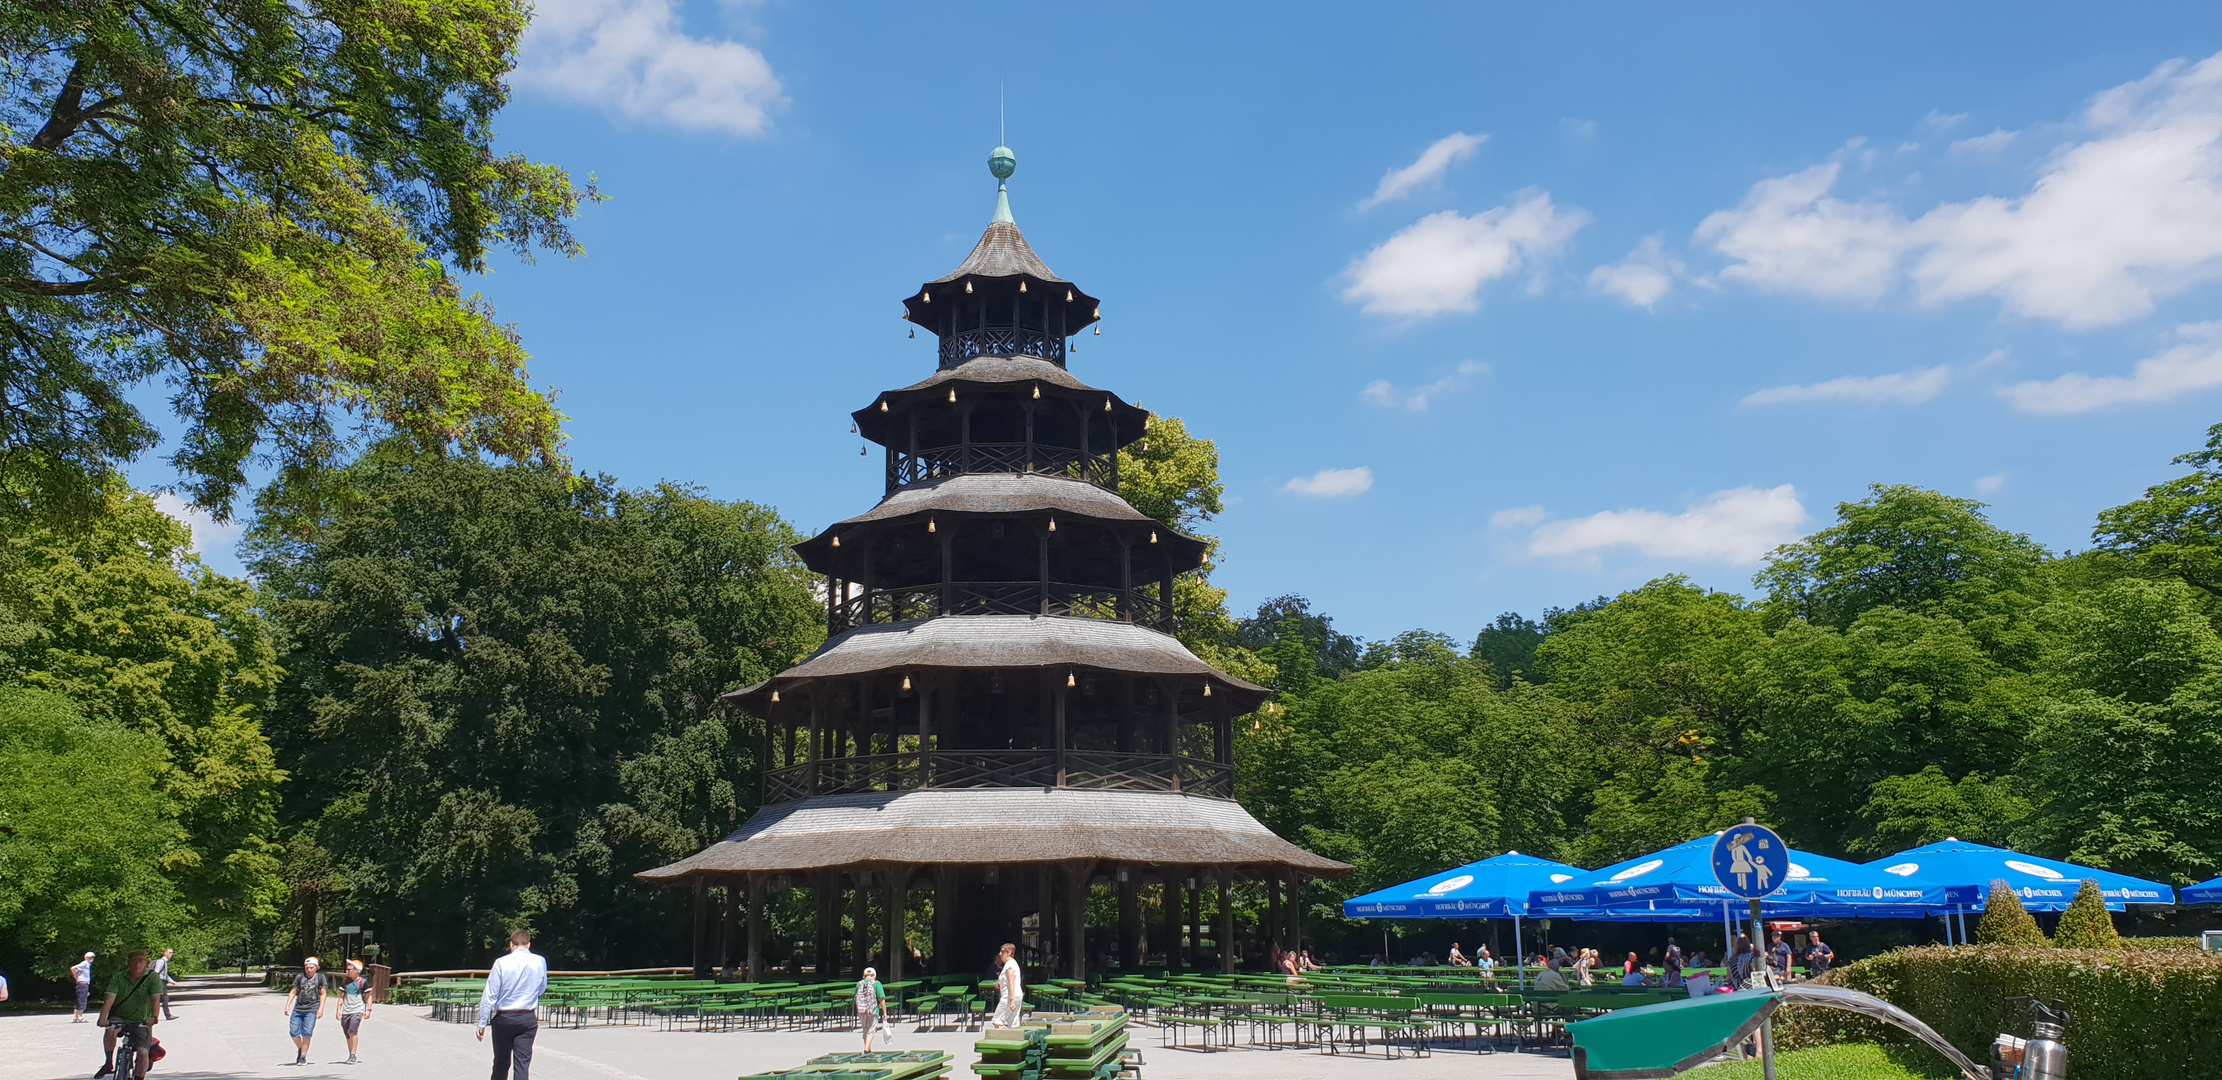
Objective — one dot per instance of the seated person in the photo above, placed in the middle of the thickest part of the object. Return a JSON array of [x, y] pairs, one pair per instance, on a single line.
[[1551, 980]]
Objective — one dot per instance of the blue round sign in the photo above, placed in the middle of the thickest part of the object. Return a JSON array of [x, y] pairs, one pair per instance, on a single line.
[[1750, 861]]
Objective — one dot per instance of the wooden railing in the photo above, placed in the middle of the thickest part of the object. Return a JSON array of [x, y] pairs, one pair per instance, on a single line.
[[1093, 769], [915, 602], [941, 462], [962, 345]]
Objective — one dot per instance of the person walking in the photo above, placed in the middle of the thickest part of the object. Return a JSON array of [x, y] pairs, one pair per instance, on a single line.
[[81, 972], [129, 1004], [871, 1005], [304, 1006], [1010, 987], [354, 1005], [3, 988], [511, 1006], [1819, 958], [1778, 958], [162, 978]]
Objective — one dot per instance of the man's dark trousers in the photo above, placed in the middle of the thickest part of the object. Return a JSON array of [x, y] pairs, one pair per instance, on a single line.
[[513, 1034]]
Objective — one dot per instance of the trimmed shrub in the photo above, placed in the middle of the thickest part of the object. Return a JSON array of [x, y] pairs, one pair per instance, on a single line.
[[2164, 944], [2134, 1014], [2086, 924], [2006, 922]]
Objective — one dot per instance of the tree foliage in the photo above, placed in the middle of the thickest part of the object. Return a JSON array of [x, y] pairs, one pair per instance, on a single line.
[[262, 203], [86, 834], [115, 614], [2005, 921], [505, 681], [2086, 924]]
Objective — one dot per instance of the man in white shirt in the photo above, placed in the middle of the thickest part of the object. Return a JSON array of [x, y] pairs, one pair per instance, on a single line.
[[82, 974], [510, 1005]]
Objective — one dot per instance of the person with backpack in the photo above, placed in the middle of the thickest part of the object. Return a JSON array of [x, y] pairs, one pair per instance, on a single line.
[[354, 1005], [871, 1006], [304, 1006], [129, 1004]]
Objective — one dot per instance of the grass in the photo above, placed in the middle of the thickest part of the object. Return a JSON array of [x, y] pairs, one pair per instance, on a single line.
[[1850, 1061]]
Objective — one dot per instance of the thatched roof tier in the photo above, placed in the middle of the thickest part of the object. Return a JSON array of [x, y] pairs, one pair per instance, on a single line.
[[1032, 496], [995, 826], [1005, 642], [887, 422]]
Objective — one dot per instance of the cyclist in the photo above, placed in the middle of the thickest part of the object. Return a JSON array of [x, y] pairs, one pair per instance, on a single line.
[[129, 1007]]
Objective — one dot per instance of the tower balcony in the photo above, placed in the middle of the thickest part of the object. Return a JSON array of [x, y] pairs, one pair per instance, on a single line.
[[1078, 769], [915, 603], [908, 467]]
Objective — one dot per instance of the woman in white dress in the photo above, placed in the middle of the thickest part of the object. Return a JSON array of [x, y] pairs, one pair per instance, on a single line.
[[1010, 990]]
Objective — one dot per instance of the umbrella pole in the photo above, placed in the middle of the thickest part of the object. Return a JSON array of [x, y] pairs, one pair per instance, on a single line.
[[1519, 952], [1767, 1026]]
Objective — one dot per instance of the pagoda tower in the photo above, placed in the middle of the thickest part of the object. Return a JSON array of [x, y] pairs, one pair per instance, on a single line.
[[1000, 713]]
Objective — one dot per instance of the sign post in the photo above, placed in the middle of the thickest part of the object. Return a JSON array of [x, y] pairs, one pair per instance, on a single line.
[[1751, 861]]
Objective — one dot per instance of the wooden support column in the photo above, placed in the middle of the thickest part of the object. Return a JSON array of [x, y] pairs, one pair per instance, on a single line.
[[945, 918], [1130, 922], [860, 932], [1076, 918], [755, 927], [1165, 592], [1172, 731], [1226, 920], [1196, 885], [948, 570], [1272, 927], [817, 744], [1044, 576], [1060, 719], [1126, 576], [1296, 910], [699, 962], [729, 934], [1172, 904], [829, 942], [1045, 914], [894, 902], [928, 686]]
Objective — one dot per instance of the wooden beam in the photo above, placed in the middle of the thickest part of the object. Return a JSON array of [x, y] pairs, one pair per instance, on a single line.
[[699, 963], [1076, 922], [1226, 920], [860, 932], [755, 927]]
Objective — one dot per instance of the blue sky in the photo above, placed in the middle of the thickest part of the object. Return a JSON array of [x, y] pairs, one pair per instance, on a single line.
[[1488, 309]]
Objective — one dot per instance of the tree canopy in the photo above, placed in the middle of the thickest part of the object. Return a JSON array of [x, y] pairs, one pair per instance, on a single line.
[[262, 203], [505, 681]]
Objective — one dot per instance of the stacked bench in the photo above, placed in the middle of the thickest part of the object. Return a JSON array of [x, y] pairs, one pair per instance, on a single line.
[[884, 1065]]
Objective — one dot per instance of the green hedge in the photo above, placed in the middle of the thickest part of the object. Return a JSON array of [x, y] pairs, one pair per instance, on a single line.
[[2136, 1013]]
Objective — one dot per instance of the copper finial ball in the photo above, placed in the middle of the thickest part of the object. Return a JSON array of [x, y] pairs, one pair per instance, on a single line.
[[1002, 163]]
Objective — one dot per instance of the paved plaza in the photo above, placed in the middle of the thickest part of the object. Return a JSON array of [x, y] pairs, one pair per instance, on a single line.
[[226, 1029]]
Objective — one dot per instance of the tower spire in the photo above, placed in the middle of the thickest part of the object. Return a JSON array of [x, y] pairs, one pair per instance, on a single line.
[[1002, 163]]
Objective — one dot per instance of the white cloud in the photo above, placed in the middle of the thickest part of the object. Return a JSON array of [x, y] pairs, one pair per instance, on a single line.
[[2128, 216], [1331, 483], [1432, 164], [1740, 526], [633, 58], [1519, 517], [1985, 144], [1641, 279], [1790, 236], [1908, 387], [207, 531], [2192, 366], [1440, 262], [1384, 393], [1987, 484], [1938, 120]]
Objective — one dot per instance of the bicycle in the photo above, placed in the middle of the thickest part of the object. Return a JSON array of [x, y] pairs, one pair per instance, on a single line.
[[132, 1036]]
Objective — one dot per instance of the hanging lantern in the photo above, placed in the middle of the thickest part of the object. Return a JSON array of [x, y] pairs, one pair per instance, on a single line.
[[906, 682], [1153, 536], [1070, 682], [1099, 331], [1022, 284], [1052, 524], [1207, 689], [836, 541], [862, 452], [775, 697], [852, 427], [1099, 311], [1106, 404], [1037, 391], [1068, 299], [968, 286], [926, 297], [1145, 446], [883, 405], [914, 333], [952, 395], [929, 524]]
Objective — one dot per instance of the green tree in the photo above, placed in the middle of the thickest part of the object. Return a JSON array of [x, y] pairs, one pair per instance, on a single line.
[[1173, 476], [505, 682], [85, 832], [1508, 646], [1301, 644], [1910, 810], [2005, 921], [2176, 529], [114, 612], [2087, 924], [1911, 549], [262, 203]]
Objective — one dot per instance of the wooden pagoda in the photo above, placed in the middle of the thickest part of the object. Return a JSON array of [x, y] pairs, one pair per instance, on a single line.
[[1001, 713]]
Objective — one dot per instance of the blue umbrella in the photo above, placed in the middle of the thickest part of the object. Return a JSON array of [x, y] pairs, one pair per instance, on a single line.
[[2205, 892], [1677, 885], [1492, 888], [2043, 884]]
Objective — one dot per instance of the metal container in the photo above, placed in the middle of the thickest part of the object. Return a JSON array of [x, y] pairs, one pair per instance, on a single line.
[[2046, 1057]]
